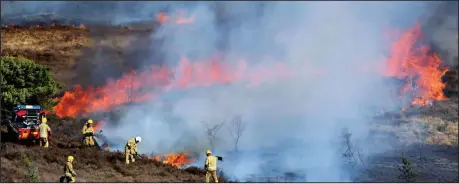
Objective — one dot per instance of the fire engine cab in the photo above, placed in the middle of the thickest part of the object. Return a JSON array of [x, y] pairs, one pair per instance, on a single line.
[[25, 120]]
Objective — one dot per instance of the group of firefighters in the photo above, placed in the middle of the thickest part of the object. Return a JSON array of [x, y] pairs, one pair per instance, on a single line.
[[130, 150]]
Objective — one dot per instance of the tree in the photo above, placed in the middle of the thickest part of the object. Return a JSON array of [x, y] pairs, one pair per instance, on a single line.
[[25, 82], [236, 130], [212, 133]]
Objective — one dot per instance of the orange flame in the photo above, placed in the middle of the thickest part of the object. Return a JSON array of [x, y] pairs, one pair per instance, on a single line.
[[174, 159], [417, 65], [160, 79], [163, 18], [406, 61]]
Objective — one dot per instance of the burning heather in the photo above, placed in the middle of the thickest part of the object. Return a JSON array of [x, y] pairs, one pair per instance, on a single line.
[[174, 159], [196, 74], [409, 60], [418, 65], [296, 74]]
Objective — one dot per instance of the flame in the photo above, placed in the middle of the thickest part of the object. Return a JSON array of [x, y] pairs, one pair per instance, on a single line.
[[82, 26], [162, 18], [418, 66], [185, 20], [407, 61], [174, 159], [160, 79]]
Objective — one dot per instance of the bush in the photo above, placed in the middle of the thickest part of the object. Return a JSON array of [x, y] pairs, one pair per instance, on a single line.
[[406, 170], [32, 171], [25, 82]]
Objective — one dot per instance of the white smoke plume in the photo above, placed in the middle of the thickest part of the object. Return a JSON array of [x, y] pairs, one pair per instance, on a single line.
[[292, 125]]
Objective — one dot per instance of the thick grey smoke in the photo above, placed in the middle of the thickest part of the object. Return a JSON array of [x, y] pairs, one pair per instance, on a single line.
[[293, 124]]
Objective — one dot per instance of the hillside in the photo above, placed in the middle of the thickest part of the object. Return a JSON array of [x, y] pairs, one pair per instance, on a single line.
[[91, 164], [89, 55], [65, 50]]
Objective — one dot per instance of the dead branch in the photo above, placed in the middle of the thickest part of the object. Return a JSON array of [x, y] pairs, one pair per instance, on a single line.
[[212, 132], [236, 130]]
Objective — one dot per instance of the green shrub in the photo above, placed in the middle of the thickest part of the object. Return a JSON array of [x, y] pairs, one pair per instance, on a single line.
[[406, 170], [25, 82], [32, 171]]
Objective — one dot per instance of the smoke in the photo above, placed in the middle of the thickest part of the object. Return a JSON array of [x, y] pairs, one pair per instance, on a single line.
[[293, 124]]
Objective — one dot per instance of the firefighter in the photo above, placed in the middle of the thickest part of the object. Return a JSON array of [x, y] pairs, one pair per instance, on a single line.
[[130, 150], [88, 133], [44, 131], [68, 169], [211, 167]]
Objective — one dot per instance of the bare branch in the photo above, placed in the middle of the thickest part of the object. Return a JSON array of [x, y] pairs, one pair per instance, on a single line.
[[212, 132], [236, 130]]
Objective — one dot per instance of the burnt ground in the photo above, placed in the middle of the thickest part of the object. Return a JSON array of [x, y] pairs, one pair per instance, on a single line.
[[91, 164], [100, 52]]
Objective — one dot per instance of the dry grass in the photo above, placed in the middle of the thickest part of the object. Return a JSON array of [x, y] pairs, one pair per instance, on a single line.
[[56, 48], [97, 52], [441, 132]]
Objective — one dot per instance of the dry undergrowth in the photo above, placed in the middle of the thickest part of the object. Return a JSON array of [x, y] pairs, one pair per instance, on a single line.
[[441, 132], [69, 51], [56, 48]]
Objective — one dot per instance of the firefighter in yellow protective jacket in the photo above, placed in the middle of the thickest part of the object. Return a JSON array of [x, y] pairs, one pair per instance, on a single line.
[[211, 167], [68, 169], [88, 133], [44, 131], [130, 150]]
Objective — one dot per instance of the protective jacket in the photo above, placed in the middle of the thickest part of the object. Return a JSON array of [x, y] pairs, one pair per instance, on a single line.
[[211, 163], [69, 169], [130, 150], [44, 129], [131, 145], [88, 133], [87, 129]]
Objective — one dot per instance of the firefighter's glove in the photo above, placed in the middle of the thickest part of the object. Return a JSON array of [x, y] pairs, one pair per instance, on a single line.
[[220, 158]]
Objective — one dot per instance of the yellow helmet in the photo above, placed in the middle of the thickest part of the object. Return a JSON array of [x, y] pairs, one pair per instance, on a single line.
[[70, 158], [208, 151], [44, 120], [90, 121]]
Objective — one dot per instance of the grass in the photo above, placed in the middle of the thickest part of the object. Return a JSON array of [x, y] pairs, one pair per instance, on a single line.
[[441, 132], [68, 51], [57, 48]]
